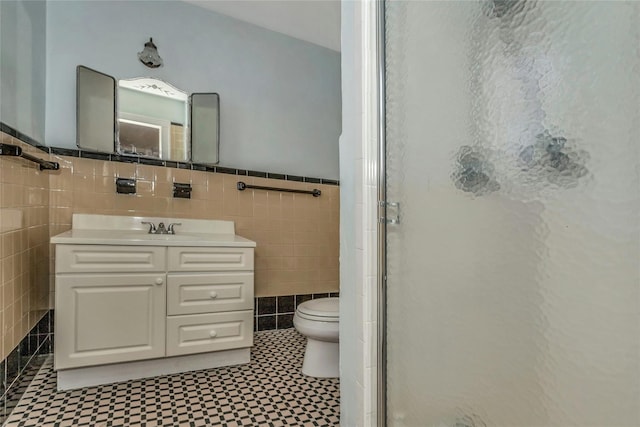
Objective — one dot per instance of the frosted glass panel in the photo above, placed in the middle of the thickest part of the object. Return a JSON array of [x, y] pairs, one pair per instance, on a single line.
[[513, 148]]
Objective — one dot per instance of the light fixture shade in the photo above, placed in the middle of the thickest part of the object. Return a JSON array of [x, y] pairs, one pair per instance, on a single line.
[[149, 55]]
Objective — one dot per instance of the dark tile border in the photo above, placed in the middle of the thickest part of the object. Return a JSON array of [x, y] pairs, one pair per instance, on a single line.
[[71, 152], [17, 369], [124, 158], [276, 312], [95, 155], [64, 152], [229, 171], [22, 137], [276, 176], [151, 162]]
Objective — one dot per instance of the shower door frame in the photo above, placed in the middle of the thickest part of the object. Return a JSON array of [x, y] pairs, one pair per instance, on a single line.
[[381, 414], [375, 20]]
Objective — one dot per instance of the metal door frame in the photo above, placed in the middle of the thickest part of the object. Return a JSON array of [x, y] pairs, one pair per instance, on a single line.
[[382, 223]]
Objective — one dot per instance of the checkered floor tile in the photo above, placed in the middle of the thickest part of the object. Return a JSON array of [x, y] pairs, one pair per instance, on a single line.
[[17, 389], [270, 391]]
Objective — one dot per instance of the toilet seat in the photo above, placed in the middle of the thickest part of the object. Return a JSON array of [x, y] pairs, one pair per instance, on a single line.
[[321, 310]]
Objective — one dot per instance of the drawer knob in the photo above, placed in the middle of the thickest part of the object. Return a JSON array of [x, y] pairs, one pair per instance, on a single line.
[[159, 281], [213, 334], [213, 294]]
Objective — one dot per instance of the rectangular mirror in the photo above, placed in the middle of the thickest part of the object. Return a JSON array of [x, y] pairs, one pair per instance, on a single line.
[[146, 117], [95, 110], [205, 129]]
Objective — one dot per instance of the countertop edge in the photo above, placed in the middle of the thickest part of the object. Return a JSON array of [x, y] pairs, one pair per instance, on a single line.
[[116, 242], [66, 238]]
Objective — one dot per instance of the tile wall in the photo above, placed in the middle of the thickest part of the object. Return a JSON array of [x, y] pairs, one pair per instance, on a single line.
[[24, 250], [359, 168], [296, 234], [277, 312], [21, 364]]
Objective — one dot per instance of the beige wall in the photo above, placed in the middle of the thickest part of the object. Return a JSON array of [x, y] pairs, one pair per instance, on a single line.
[[24, 250], [297, 234]]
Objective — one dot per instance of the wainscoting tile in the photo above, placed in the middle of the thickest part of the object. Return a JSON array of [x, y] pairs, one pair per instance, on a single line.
[[2, 378], [302, 298], [286, 304], [284, 321], [266, 305], [20, 366], [266, 323], [277, 312]]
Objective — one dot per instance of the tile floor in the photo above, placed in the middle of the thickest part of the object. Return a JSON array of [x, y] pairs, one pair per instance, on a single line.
[[17, 390], [270, 391]]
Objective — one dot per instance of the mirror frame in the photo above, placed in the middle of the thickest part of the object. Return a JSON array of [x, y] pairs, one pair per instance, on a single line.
[[217, 137], [115, 130], [78, 112]]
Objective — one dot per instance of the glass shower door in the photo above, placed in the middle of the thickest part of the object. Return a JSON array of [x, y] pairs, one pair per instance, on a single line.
[[513, 279]]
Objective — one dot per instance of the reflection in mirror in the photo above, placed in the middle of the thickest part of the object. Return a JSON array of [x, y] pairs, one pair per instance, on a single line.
[[153, 119], [95, 113], [205, 130]]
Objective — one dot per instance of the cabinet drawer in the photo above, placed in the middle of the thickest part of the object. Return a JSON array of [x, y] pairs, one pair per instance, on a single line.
[[105, 259], [210, 259], [194, 293], [198, 333]]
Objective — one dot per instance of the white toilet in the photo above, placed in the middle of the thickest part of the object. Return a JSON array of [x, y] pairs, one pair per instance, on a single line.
[[318, 321]]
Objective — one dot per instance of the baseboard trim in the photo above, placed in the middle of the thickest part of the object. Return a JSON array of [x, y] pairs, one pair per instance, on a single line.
[[69, 379]]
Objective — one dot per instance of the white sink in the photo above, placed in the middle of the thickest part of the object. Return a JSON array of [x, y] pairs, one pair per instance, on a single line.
[[129, 230]]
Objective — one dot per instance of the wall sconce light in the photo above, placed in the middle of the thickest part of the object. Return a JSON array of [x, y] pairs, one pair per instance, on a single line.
[[149, 55]]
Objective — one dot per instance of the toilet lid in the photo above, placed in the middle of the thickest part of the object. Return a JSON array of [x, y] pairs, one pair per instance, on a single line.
[[322, 308]]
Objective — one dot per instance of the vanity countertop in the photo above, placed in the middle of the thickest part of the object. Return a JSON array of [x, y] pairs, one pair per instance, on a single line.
[[141, 238], [120, 230]]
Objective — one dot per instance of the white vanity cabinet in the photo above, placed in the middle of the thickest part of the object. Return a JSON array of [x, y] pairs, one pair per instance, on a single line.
[[133, 305]]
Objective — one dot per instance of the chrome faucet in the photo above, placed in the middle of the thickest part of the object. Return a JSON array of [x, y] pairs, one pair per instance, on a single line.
[[161, 229], [152, 226]]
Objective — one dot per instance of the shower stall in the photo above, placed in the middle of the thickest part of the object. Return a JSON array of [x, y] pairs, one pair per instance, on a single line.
[[511, 249]]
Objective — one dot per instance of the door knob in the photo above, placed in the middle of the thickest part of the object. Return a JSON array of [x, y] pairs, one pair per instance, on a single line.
[[213, 334], [159, 281], [213, 294]]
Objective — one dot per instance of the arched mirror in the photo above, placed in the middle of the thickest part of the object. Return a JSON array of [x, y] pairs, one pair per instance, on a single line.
[[146, 117], [153, 119]]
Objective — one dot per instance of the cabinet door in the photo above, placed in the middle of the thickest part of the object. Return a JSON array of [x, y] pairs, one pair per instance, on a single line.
[[109, 318], [193, 293]]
